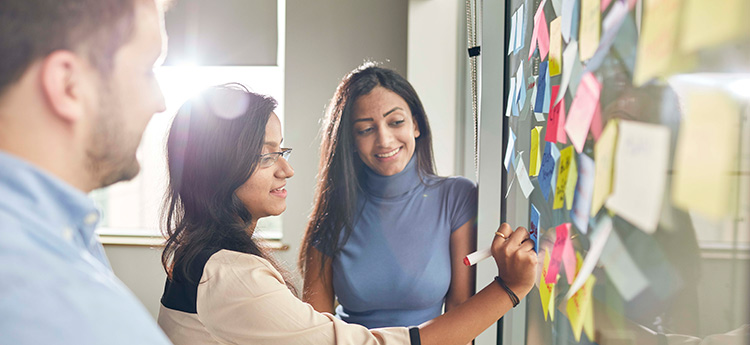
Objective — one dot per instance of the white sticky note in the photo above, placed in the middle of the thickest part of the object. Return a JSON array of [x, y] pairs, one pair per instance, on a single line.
[[510, 149], [640, 173], [570, 55], [584, 191], [523, 178], [621, 269], [512, 40]]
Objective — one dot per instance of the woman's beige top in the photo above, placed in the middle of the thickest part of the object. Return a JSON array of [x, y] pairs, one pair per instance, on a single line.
[[242, 299]]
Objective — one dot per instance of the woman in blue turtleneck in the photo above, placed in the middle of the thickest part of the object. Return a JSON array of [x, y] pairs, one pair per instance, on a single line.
[[387, 236]]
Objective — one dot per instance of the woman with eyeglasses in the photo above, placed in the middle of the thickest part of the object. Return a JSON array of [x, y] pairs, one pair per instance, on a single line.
[[227, 169]]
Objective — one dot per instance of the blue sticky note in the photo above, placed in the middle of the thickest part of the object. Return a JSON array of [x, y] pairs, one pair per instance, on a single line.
[[521, 87], [512, 39], [511, 95], [510, 149], [576, 19], [520, 28], [546, 170], [541, 87], [534, 227]]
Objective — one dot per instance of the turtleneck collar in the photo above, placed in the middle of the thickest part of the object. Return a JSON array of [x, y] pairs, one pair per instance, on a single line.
[[395, 185]]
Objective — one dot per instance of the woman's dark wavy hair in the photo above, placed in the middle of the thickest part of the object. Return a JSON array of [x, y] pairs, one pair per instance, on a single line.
[[340, 170], [213, 148]]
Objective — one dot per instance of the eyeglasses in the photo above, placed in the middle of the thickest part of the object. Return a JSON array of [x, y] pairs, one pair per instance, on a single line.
[[269, 159]]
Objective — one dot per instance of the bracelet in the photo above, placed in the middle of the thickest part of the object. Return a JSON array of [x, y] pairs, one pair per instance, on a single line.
[[513, 298]]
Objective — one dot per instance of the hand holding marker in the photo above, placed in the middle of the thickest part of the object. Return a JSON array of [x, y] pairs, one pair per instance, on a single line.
[[475, 257]]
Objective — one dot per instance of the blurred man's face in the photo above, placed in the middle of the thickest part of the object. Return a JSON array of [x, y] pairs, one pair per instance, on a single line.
[[128, 97]]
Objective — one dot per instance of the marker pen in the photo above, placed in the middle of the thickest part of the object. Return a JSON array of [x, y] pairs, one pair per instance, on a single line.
[[479, 255]]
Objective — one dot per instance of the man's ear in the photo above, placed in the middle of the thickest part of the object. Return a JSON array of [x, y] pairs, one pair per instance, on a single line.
[[63, 74]]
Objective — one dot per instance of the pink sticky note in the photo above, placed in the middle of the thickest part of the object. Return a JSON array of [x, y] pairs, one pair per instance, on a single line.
[[557, 253], [596, 123], [554, 116], [582, 110], [540, 34], [560, 109], [605, 4], [568, 254], [542, 38]]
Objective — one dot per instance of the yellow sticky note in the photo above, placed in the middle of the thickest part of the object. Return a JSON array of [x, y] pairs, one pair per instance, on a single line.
[[579, 306], [706, 154], [555, 47], [536, 153], [547, 291], [570, 186], [588, 322], [590, 28], [657, 42], [566, 156], [604, 153], [708, 23]]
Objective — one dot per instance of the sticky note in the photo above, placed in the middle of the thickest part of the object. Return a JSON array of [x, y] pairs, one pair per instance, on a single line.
[[534, 227], [541, 87], [725, 18], [569, 19], [583, 193], [523, 178], [570, 184], [585, 104], [547, 170], [570, 60], [557, 253], [555, 47], [547, 93], [590, 29], [579, 306], [556, 121], [569, 254], [706, 154], [512, 39], [510, 149], [604, 154], [598, 239], [605, 4], [540, 36], [547, 291], [556, 157], [536, 153], [566, 156], [511, 97], [640, 173], [520, 28], [621, 269], [658, 37], [520, 89], [557, 6]]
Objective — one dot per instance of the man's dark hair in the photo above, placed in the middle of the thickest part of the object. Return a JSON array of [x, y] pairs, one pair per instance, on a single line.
[[33, 29]]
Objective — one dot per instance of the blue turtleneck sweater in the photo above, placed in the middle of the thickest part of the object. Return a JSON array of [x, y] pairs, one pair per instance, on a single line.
[[395, 270]]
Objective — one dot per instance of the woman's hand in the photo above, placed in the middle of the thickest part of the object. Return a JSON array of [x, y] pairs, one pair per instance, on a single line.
[[515, 258]]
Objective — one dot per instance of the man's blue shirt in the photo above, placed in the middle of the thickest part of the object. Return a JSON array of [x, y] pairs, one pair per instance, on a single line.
[[56, 284]]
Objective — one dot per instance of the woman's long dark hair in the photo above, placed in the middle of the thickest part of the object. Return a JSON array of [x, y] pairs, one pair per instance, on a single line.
[[339, 173], [213, 148]]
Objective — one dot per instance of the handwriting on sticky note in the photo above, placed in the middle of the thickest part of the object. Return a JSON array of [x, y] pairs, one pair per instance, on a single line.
[[579, 305], [547, 170], [547, 291], [640, 173], [534, 227], [558, 251], [582, 110], [566, 156], [541, 87]]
